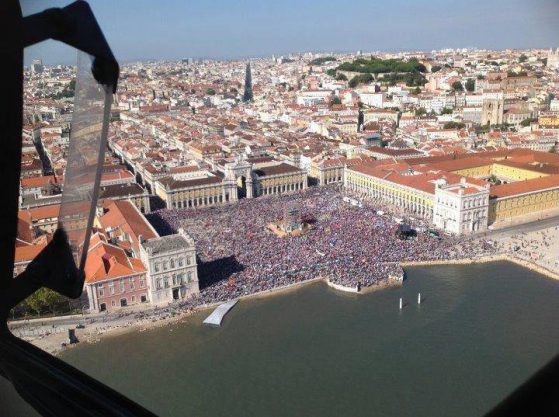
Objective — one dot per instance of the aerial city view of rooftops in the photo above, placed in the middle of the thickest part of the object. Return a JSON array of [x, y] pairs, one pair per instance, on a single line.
[[374, 160]]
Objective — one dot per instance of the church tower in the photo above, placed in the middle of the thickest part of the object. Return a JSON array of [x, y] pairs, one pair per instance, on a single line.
[[247, 96], [553, 58]]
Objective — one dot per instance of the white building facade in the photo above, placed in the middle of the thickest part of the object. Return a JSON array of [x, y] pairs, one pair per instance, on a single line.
[[172, 268], [461, 208]]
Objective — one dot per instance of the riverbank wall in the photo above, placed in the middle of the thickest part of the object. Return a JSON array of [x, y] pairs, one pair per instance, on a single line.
[[485, 259], [391, 281]]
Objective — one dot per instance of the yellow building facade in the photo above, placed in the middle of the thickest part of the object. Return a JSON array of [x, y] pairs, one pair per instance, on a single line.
[[529, 184], [412, 199]]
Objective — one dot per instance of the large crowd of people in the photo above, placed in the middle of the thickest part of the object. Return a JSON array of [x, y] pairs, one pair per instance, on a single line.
[[350, 245]]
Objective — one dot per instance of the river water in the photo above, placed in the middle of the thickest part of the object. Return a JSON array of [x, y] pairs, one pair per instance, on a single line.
[[480, 331]]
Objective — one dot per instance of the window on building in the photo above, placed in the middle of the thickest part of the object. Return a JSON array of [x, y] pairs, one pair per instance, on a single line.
[[133, 299], [181, 262], [111, 287], [142, 282], [121, 285], [113, 303], [172, 263], [101, 290], [189, 276], [165, 265], [156, 266], [143, 298], [131, 283], [188, 261], [166, 281], [159, 283]]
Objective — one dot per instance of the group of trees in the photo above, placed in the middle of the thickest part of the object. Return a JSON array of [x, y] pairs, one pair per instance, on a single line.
[[44, 301], [436, 68], [379, 66], [341, 77], [360, 79], [457, 86], [394, 70], [517, 74], [67, 92], [470, 85], [412, 79], [454, 125], [486, 128], [528, 122], [335, 100]]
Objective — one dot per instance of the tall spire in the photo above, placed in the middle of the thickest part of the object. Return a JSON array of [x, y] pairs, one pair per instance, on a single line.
[[247, 96]]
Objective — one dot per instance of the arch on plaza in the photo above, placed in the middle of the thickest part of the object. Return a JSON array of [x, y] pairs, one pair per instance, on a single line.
[[239, 174]]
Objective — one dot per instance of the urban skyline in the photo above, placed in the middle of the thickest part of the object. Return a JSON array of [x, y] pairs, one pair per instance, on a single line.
[[249, 29], [287, 208]]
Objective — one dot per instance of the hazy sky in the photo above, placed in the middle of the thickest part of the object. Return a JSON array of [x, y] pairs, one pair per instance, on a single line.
[[173, 29]]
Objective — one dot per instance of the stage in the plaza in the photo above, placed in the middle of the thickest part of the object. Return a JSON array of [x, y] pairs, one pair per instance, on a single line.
[[291, 225]]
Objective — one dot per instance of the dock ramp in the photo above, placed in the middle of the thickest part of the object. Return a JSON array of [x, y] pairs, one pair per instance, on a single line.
[[217, 315]]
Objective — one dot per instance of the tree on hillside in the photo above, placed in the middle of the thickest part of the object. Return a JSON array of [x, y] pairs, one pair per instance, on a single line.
[[454, 125], [523, 58], [457, 86], [517, 74], [341, 77], [335, 100], [360, 79], [210, 91], [436, 68], [470, 84], [528, 122]]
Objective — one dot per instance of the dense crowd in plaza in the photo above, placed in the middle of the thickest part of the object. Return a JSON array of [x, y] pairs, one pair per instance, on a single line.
[[351, 246]]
